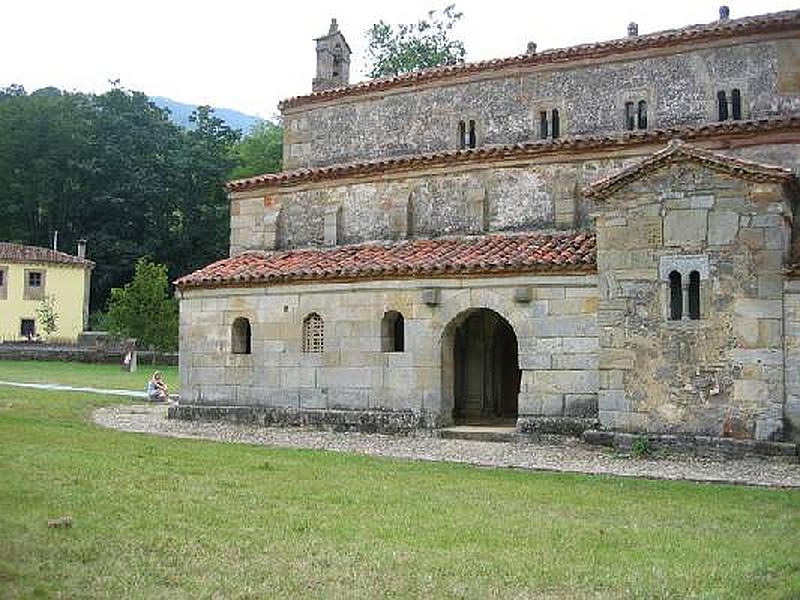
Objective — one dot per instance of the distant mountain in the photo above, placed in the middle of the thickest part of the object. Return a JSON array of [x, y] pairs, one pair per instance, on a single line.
[[179, 113]]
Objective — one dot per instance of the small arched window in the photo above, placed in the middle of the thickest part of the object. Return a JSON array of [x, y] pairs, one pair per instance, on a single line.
[[240, 336], [544, 129], [722, 106], [313, 333], [630, 118], [736, 104], [462, 135], [694, 295], [473, 140], [393, 332], [556, 128], [675, 296], [641, 115]]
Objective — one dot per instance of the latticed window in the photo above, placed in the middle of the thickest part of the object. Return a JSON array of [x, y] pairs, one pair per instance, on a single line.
[[313, 333]]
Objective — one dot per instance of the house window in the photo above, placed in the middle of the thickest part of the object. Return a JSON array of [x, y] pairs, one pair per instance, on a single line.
[[3, 283], [313, 333], [27, 329], [240, 336], [729, 107], [393, 332], [694, 295], [549, 124], [675, 296], [34, 285]]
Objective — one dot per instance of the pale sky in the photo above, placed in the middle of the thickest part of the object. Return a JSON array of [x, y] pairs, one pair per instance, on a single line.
[[248, 55]]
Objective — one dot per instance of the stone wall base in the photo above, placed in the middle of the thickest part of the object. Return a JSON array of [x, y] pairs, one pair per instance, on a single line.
[[560, 425], [698, 445], [365, 421]]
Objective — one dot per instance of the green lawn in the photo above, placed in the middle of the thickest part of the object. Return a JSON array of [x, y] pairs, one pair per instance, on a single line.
[[167, 518], [85, 375]]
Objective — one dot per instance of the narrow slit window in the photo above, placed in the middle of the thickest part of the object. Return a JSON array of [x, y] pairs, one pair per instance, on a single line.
[[462, 135], [694, 295], [556, 125], [736, 104], [641, 116], [544, 132], [393, 332], [630, 119], [240, 336], [313, 333], [675, 297], [472, 137], [722, 105]]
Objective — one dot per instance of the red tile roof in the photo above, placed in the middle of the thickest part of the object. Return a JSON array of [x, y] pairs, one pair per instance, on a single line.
[[706, 32], [18, 253], [485, 255], [518, 151], [679, 152]]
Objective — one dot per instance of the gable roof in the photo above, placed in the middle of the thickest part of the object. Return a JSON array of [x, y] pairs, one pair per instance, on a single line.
[[494, 254], [18, 253], [679, 152], [516, 151], [774, 22]]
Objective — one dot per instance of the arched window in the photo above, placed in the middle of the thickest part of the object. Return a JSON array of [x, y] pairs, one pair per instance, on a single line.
[[472, 138], [630, 118], [736, 104], [694, 295], [393, 332], [675, 296], [240, 336], [722, 106], [556, 128], [641, 115], [462, 135], [313, 333], [544, 129]]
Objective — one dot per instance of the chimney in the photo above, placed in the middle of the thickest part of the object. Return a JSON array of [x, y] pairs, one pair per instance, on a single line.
[[82, 249], [724, 13], [531, 48], [633, 29]]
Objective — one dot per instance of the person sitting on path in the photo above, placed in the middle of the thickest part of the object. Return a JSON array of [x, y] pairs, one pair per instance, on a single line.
[[157, 390]]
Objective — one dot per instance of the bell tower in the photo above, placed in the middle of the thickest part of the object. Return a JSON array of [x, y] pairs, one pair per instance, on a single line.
[[333, 60]]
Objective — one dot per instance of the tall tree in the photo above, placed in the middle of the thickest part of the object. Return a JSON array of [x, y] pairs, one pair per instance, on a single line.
[[402, 48], [261, 151]]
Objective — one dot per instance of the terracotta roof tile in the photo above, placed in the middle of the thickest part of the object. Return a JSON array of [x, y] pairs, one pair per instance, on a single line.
[[517, 151], [705, 32], [485, 255], [18, 253], [678, 152]]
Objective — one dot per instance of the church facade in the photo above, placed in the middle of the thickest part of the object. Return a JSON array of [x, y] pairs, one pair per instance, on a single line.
[[598, 237]]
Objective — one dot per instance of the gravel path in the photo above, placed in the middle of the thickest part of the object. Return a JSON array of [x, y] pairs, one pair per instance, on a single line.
[[568, 456]]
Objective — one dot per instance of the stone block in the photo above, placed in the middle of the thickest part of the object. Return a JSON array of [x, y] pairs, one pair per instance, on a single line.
[[312, 398], [566, 382], [548, 405], [581, 292], [580, 405], [579, 344], [575, 361], [431, 296], [523, 294], [566, 326], [549, 293], [758, 309], [613, 400], [723, 225], [750, 392], [685, 227], [533, 360], [617, 358], [348, 398], [770, 286], [612, 380]]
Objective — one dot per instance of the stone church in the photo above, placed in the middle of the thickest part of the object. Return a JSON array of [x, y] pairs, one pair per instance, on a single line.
[[600, 237]]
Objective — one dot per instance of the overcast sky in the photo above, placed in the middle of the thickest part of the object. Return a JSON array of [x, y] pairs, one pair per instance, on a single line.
[[248, 55]]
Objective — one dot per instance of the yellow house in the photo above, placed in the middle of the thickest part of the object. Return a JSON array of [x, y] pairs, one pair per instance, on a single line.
[[30, 275]]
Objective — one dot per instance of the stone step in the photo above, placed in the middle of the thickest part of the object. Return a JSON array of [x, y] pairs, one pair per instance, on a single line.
[[478, 433]]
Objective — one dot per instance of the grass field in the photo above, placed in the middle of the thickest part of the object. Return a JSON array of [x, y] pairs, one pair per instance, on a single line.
[[167, 518], [85, 375]]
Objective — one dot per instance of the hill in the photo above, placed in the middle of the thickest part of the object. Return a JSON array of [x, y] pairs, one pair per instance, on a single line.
[[180, 112]]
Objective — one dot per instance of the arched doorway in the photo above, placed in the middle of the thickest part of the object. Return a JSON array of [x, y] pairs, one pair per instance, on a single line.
[[483, 365]]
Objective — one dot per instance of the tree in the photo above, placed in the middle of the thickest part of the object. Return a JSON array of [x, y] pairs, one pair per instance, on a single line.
[[394, 50], [144, 308], [47, 315], [261, 151]]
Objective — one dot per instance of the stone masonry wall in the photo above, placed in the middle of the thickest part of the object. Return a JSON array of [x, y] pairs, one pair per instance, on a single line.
[[721, 375], [553, 318], [680, 89], [791, 308]]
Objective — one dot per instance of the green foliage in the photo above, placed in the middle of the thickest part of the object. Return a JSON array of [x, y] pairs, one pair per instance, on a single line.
[[403, 48], [144, 308], [260, 152], [47, 315], [641, 447]]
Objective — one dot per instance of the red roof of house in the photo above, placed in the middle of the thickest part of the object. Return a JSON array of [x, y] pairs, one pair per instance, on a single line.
[[678, 152], [775, 22], [494, 254], [18, 253], [518, 151]]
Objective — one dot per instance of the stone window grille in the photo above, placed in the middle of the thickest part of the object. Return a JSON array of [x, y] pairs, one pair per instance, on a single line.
[[683, 275], [393, 332], [313, 333], [241, 336], [549, 124], [729, 109]]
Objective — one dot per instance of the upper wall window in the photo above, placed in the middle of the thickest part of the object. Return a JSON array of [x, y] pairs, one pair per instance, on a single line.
[[393, 332], [729, 105], [3, 283], [636, 115], [313, 333], [467, 135], [549, 124], [34, 284], [241, 336]]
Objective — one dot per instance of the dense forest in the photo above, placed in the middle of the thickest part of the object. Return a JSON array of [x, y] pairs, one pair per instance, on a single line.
[[113, 169]]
